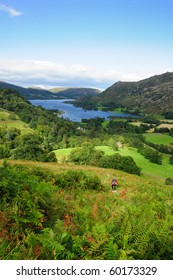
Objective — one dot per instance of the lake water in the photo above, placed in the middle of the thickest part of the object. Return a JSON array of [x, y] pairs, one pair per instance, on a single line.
[[75, 114]]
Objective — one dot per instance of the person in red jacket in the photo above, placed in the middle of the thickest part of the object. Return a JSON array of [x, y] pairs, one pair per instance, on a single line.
[[114, 183]]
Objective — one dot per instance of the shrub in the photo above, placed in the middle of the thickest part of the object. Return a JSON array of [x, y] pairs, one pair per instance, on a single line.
[[4, 152], [151, 154], [125, 163], [169, 181], [171, 160], [78, 180]]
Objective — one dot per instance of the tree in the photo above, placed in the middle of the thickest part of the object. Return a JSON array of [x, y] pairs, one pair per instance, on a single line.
[[151, 154], [171, 160], [29, 147], [4, 152], [125, 163]]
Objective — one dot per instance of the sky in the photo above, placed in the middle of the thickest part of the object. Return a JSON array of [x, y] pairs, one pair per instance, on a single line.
[[84, 43]]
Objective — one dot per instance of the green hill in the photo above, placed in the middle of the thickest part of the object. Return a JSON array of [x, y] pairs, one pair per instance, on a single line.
[[55, 93], [28, 93], [161, 172], [54, 211], [29, 132], [51, 211], [74, 92], [152, 95]]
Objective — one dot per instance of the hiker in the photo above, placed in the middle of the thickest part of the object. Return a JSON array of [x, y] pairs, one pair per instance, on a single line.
[[114, 183]]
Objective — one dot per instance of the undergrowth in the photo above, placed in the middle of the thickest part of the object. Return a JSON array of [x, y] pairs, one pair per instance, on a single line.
[[72, 215]]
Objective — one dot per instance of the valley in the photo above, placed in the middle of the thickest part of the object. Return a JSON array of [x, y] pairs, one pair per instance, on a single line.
[[55, 184]]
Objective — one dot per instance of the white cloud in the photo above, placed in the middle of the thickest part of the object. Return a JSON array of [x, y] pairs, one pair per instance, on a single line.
[[11, 11], [49, 74]]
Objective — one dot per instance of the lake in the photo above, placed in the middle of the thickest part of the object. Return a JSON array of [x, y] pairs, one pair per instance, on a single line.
[[75, 114]]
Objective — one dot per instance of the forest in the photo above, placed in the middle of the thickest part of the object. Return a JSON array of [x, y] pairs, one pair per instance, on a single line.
[[55, 194]]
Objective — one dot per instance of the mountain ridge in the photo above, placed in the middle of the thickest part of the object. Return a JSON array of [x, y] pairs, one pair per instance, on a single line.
[[54, 93], [151, 95]]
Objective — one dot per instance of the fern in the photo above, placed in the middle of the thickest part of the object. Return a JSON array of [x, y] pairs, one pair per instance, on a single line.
[[112, 252]]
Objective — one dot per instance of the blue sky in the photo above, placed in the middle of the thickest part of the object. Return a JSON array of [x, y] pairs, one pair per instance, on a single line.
[[84, 42]]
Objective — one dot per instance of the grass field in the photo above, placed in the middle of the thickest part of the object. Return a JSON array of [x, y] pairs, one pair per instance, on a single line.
[[148, 168], [62, 154], [106, 149], [168, 125], [4, 115], [6, 122], [158, 138], [17, 124]]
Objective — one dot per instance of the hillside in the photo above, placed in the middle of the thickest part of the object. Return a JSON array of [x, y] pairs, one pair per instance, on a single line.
[[51, 210], [70, 213], [74, 92], [152, 95], [29, 131], [28, 93], [55, 93]]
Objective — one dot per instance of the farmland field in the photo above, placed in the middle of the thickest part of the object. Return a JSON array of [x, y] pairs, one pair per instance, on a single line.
[[62, 153], [106, 149], [148, 168], [158, 138]]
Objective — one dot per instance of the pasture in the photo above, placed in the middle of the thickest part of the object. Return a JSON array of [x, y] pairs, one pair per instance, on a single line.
[[148, 168], [11, 120], [62, 154], [158, 138]]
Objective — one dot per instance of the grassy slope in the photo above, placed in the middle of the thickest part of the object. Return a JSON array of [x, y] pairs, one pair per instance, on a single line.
[[62, 153], [99, 218], [158, 138], [3, 114], [154, 170], [105, 174], [6, 122], [148, 168]]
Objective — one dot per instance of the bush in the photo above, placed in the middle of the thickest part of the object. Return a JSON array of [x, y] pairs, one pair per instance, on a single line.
[[169, 181], [4, 152], [78, 180], [125, 163], [151, 154], [88, 155], [171, 160]]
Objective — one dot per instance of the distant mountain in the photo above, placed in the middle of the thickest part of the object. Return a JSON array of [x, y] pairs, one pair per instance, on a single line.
[[152, 95], [55, 93], [28, 93], [75, 92]]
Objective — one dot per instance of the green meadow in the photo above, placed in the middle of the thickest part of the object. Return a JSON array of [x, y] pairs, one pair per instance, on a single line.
[[11, 120], [158, 138], [148, 168], [3, 115], [62, 153], [106, 149]]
